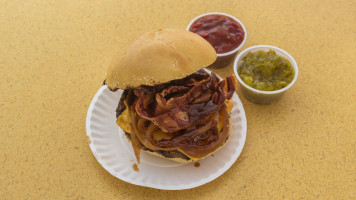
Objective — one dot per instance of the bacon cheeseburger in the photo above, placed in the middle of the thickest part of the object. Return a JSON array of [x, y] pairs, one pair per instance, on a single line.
[[170, 106]]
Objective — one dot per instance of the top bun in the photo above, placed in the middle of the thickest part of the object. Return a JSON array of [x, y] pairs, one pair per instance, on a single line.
[[158, 57]]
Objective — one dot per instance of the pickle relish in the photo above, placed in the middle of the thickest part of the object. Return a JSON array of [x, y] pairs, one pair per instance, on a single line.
[[266, 71]]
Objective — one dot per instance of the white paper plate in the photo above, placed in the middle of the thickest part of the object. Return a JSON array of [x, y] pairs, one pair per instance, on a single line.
[[112, 150]]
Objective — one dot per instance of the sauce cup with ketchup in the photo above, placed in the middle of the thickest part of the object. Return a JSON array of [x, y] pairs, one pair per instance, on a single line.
[[224, 32]]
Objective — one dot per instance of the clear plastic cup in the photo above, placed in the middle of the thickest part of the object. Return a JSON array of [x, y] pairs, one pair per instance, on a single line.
[[259, 96], [223, 59]]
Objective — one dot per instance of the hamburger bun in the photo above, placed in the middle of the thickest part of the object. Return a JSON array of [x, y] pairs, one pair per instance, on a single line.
[[171, 107], [174, 54]]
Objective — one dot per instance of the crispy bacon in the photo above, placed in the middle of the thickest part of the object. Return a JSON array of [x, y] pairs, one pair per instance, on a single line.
[[188, 110], [183, 110]]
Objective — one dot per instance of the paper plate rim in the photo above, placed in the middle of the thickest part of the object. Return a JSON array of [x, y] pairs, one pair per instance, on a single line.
[[194, 184]]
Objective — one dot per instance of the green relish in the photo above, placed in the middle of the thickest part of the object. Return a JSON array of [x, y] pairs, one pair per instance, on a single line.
[[266, 70]]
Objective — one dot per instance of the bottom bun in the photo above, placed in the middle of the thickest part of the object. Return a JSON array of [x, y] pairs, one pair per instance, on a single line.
[[178, 156]]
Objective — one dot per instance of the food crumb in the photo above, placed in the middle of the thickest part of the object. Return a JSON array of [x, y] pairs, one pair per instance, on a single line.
[[89, 141], [197, 164], [135, 168]]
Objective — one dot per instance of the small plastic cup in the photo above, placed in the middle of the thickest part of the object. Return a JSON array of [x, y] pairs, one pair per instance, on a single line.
[[259, 96], [223, 59]]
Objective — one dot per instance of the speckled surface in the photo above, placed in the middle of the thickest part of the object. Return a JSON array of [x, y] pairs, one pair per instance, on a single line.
[[53, 59]]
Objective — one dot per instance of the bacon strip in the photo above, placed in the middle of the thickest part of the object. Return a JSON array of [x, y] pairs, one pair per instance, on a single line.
[[203, 99], [187, 109]]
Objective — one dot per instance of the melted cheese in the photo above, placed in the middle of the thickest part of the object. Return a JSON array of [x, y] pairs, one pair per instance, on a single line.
[[229, 104], [124, 120], [160, 135]]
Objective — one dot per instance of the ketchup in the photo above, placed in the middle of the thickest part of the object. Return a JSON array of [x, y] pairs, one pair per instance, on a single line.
[[222, 32]]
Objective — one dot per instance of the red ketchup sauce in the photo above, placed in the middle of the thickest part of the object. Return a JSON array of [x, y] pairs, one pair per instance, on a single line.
[[222, 32]]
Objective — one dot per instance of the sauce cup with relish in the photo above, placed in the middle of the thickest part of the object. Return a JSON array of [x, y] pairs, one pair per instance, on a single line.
[[265, 72]]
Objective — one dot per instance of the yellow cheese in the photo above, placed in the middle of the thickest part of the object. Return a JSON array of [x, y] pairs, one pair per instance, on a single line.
[[124, 120], [229, 104], [160, 135]]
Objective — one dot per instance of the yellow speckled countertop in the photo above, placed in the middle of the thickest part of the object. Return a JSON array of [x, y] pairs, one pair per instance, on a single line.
[[53, 59]]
